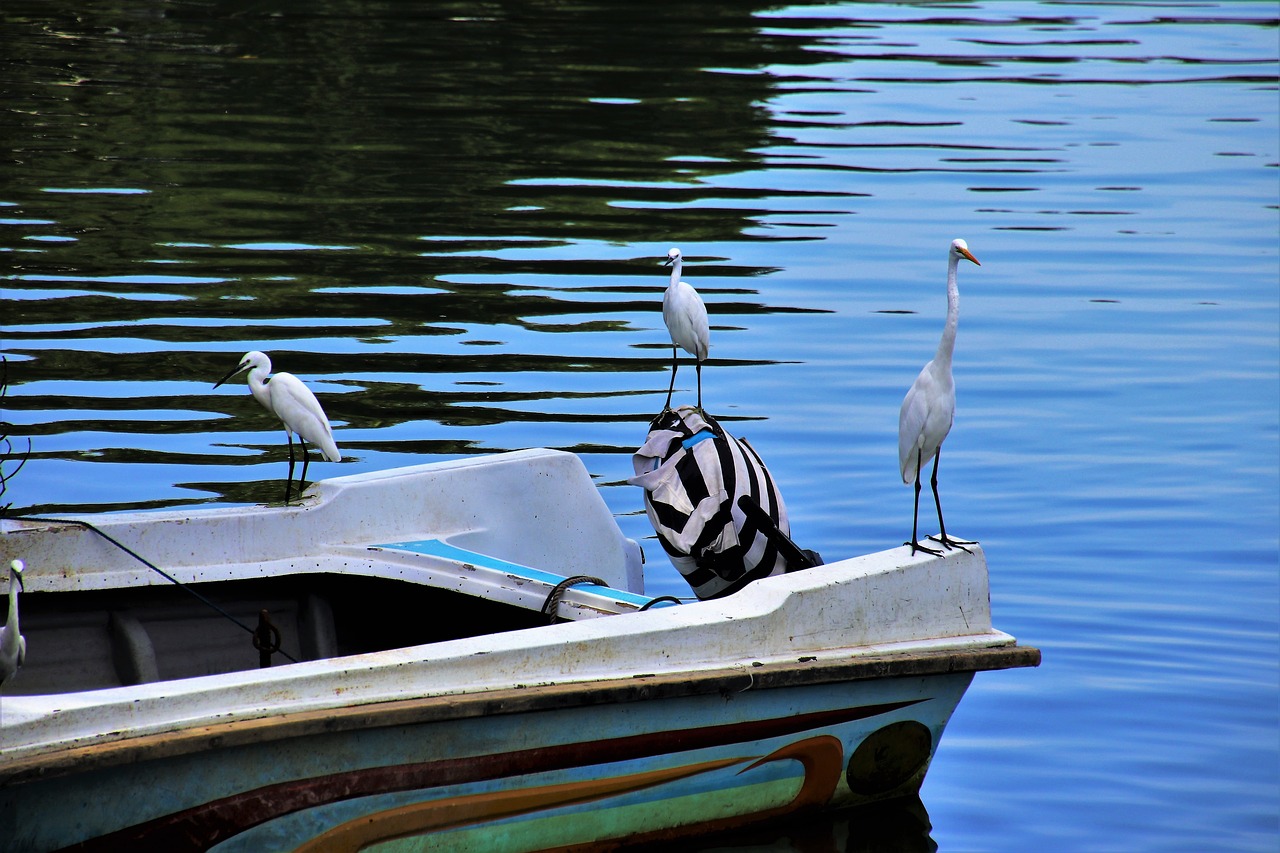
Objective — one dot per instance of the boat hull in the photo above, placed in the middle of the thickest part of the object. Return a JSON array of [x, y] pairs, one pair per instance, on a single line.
[[662, 760]]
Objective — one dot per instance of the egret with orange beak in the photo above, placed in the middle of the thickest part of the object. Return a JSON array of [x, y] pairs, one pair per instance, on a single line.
[[929, 409]]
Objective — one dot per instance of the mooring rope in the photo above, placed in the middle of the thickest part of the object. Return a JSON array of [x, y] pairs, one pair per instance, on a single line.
[[658, 600], [552, 604], [149, 565]]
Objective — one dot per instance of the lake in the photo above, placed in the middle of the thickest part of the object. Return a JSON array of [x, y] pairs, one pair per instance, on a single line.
[[449, 219]]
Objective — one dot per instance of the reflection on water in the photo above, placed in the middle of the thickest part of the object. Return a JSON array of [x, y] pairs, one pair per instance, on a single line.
[[356, 193], [398, 206], [449, 219], [900, 826]]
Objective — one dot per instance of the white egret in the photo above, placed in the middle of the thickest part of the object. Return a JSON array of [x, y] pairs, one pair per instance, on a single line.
[[13, 646], [930, 407], [284, 395], [686, 319]]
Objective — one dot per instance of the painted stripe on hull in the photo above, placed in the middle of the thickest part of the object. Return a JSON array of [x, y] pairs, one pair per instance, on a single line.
[[822, 757], [203, 826]]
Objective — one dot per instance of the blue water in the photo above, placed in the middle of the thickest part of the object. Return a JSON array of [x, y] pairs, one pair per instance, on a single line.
[[450, 220]]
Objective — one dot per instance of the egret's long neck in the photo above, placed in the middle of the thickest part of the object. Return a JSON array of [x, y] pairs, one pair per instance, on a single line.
[[11, 624], [676, 265], [258, 387], [948, 343]]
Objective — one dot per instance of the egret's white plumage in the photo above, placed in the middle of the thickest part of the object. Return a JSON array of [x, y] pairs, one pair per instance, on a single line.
[[686, 317], [930, 406], [13, 646], [285, 396]]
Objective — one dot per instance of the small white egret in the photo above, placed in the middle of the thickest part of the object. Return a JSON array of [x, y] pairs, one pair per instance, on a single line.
[[13, 646], [686, 319], [930, 407], [284, 395]]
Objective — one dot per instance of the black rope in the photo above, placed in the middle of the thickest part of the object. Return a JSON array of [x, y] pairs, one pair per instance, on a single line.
[[552, 603], [654, 601], [149, 565]]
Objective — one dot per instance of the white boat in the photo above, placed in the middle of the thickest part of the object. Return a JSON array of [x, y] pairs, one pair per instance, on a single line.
[[434, 701]]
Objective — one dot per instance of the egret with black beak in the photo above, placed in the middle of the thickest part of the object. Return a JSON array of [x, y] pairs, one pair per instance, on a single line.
[[284, 395], [686, 317]]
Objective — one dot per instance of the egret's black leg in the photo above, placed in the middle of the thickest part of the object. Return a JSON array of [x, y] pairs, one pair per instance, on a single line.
[[289, 437], [698, 367], [915, 517], [946, 541], [675, 364], [306, 460]]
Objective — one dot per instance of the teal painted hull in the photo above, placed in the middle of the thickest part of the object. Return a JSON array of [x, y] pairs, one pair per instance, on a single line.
[[591, 774]]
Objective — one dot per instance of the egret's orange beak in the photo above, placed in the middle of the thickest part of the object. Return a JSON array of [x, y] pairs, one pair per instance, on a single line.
[[969, 255]]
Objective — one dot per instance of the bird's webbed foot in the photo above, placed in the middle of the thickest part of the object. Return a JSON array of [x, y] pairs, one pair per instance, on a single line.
[[949, 543], [916, 546]]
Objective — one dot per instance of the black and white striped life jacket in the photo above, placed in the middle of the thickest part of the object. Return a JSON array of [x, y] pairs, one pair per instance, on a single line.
[[693, 474]]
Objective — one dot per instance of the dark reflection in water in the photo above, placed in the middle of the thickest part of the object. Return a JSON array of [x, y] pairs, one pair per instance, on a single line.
[[898, 826], [195, 178], [359, 125]]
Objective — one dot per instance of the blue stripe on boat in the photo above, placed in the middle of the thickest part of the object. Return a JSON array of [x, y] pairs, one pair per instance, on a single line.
[[437, 548]]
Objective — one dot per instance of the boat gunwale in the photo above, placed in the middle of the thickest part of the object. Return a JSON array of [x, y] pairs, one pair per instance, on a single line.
[[807, 670]]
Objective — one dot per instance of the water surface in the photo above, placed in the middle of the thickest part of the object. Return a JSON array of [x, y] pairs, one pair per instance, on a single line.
[[449, 219]]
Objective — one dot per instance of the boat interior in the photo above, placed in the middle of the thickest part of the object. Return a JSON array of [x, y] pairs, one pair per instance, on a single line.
[[366, 563], [93, 639]]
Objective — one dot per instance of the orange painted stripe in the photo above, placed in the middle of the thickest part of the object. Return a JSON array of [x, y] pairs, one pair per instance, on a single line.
[[203, 826]]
